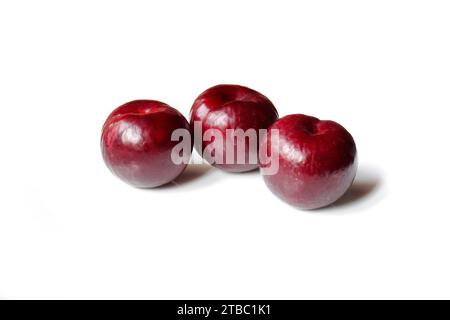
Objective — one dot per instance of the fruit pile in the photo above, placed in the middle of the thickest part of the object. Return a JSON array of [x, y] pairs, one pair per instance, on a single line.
[[307, 162]]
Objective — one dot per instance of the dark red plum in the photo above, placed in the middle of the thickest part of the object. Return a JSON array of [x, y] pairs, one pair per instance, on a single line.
[[233, 107], [136, 142], [317, 161]]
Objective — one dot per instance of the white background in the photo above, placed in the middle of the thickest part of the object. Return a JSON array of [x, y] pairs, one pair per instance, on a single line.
[[70, 229]]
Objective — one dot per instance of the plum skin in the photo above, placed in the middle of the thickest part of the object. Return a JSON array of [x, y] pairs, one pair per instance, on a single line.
[[228, 106], [317, 161], [136, 143]]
